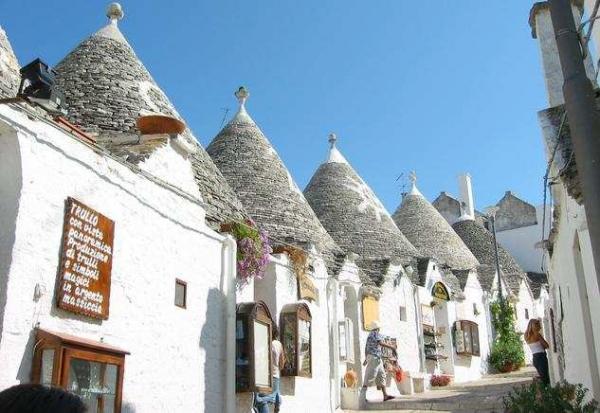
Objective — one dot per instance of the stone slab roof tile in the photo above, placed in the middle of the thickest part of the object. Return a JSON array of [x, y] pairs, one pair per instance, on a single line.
[[9, 68], [537, 281], [431, 234], [107, 88], [265, 187], [355, 217], [481, 243]]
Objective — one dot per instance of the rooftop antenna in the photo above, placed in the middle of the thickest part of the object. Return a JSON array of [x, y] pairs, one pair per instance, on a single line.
[[225, 112], [403, 182]]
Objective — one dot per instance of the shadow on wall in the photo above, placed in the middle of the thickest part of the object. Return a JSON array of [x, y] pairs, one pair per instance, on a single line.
[[11, 183], [24, 372], [127, 407], [212, 340]]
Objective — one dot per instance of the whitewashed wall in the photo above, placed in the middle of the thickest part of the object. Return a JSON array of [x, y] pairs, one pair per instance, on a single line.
[[160, 235], [524, 302], [521, 242], [468, 368], [277, 288], [573, 281]]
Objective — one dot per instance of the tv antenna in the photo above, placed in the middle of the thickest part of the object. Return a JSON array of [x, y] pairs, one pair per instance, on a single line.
[[225, 112]]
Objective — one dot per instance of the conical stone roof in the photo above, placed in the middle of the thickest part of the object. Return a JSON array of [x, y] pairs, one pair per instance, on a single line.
[[107, 88], [481, 243], [430, 233], [354, 216], [9, 68], [264, 185]]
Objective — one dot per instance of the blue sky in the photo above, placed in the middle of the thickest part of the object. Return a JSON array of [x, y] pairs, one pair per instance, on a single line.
[[441, 87]]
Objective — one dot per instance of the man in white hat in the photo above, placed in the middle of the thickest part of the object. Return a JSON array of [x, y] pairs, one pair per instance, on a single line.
[[374, 361]]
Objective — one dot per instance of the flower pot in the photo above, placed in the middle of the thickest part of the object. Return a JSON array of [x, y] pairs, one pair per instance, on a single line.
[[508, 367]]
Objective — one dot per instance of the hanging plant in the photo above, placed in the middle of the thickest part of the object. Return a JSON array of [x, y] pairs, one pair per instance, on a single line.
[[253, 249], [298, 258]]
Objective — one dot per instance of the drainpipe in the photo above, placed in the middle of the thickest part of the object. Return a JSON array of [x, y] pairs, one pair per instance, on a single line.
[[228, 288], [584, 119]]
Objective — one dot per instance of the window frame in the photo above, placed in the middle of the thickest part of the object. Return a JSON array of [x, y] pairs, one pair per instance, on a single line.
[[292, 313], [179, 282], [246, 314], [469, 331], [348, 327], [403, 313]]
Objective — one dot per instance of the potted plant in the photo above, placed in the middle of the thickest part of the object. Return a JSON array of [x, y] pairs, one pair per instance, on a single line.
[[507, 352]]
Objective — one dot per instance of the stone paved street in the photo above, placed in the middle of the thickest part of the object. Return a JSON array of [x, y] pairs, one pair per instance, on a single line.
[[484, 395]]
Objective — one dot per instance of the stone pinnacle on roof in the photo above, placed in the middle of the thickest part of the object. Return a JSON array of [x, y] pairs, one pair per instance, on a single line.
[[9, 68], [107, 88], [430, 233], [264, 185], [354, 216]]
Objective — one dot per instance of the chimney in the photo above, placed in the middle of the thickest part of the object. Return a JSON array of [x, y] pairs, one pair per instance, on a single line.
[[466, 196], [542, 29]]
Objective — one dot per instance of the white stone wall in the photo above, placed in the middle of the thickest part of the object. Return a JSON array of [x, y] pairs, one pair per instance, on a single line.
[[521, 242], [277, 288], [392, 297], [468, 368], [524, 302], [177, 355], [575, 286]]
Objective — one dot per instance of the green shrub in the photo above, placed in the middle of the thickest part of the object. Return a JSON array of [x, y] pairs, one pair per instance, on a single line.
[[507, 352], [538, 398]]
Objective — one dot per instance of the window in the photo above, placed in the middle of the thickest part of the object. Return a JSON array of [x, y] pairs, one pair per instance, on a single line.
[[92, 370], [526, 314], [466, 338], [253, 328], [296, 337], [180, 293], [346, 338], [370, 308], [402, 313]]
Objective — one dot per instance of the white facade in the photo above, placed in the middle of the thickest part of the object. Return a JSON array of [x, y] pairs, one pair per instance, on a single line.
[[521, 242], [160, 235]]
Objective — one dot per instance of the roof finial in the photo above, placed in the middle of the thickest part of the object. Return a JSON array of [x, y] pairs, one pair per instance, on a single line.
[[412, 177], [242, 95], [114, 12], [332, 140]]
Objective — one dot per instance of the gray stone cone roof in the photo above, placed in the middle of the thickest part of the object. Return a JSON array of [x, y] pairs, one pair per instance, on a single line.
[[481, 243], [107, 88], [355, 217], [537, 280], [486, 275], [266, 189], [462, 276], [431, 234], [9, 68]]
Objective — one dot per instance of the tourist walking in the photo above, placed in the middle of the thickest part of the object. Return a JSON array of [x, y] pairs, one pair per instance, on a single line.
[[538, 346], [261, 401], [375, 370]]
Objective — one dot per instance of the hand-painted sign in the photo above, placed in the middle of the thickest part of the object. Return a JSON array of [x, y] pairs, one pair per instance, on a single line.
[[86, 262], [440, 291], [306, 288]]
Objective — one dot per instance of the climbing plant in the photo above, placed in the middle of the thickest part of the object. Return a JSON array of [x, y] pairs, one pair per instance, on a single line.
[[253, 249], [507, 349]]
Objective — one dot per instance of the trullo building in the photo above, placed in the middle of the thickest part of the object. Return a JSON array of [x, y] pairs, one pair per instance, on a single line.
[[466, 308], [301, 274], [360, 224]]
